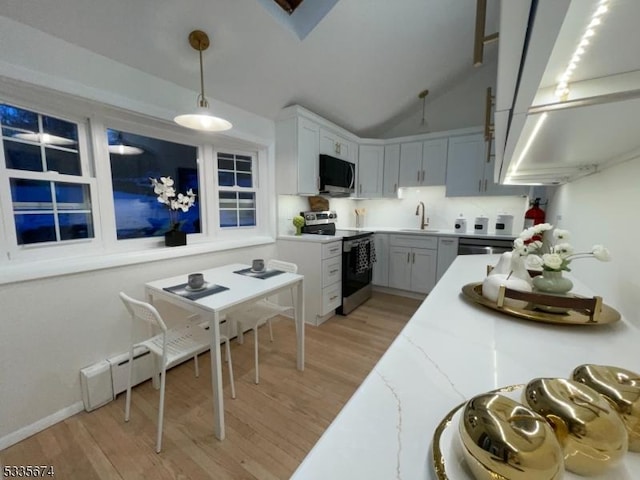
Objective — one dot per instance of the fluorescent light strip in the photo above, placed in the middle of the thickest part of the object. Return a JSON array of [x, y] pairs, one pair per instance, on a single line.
[[562, 89], [526, 148]]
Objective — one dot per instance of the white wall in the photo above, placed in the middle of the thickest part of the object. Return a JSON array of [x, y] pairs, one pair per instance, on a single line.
[[53, 327], [400, 213], [603, 209]]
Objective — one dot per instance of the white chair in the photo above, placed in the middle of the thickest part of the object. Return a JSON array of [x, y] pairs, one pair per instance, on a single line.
[[171, 347], [262, 312]]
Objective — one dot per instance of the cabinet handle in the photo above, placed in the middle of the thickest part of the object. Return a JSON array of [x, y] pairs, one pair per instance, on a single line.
[[413, 260], [446, 241], [480, 185], [333, 250], [318, 183], [485, 184], [360, 187], [331, 272], [333, 298], [422, 176], [418, 176], [408, 255], [395, 187]]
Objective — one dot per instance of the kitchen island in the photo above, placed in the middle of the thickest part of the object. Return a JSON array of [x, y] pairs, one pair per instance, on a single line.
[[449, 351]]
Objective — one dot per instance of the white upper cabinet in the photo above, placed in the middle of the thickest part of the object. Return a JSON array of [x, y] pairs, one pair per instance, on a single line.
[[470, 169], [337, 146], [297, 152], [390, 182], [549, 136], [370, 171], [423, 163]]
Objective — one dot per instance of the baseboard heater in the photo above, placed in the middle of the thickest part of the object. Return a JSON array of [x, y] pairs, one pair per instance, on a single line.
[[103, 381]]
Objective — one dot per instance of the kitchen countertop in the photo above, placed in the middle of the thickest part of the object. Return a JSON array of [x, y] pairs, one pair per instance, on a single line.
[[306, 237], [449, 351]]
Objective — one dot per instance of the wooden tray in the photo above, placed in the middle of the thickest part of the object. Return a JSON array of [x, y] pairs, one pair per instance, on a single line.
[[473, 291]]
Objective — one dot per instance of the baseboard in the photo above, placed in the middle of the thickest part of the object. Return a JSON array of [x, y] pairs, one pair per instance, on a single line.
[[40, 425]]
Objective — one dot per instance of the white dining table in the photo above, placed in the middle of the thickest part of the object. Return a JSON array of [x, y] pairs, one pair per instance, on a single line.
[[241, 290]]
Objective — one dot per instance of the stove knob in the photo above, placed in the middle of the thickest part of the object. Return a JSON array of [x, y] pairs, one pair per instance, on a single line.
[[308, 216], [332, 215]]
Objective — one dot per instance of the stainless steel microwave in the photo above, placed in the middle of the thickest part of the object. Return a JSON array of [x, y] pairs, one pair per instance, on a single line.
[[337, 176]]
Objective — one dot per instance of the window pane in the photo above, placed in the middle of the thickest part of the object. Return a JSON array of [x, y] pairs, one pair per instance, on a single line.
[[35, 193], [243, 164], [228, 218], [138, 212], [72, 195], [75, 225], [18, 118], [225, 179], [244, 180], [35, 228], [228, 200], [247, 218], [62, 161], [60, 129], [247, 200], [225, 164], [21, 156]]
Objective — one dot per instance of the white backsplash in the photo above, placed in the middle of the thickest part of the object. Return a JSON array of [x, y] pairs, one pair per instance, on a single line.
[[400, 213]]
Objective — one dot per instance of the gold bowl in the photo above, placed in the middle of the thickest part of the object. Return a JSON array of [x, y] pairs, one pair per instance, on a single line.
[[502, 438], [621, 388], [591, 433]]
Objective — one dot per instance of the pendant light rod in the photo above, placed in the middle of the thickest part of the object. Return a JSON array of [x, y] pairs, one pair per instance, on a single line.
[[202, 119]]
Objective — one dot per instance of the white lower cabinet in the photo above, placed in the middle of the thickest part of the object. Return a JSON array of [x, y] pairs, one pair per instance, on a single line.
[[321, 265], [413, 262], [447, 253], [381, 267]]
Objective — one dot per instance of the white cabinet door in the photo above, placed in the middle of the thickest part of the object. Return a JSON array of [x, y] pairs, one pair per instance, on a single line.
[[333, 144], [423, 270], [308, 151], [381, 267], [410, 164], [370, 171], [447, 253], [465, 166], [390, 182], [400, 268], [434, 162]]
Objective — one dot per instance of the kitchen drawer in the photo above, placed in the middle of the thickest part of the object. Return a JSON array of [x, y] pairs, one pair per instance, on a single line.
[[331, 298], [331, 271], [330, 250], [414, 241]]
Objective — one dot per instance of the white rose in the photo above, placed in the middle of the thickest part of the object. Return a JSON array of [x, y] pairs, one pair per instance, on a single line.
[[601, 253], [552, 261], [542, 227], [534, 262]]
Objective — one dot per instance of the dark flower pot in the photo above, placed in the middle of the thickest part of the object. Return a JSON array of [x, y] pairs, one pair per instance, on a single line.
[[175, 238]]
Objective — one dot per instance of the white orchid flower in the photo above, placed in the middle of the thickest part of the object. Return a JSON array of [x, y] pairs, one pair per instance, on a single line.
[[601, 253], [560, 234], [563, 249]]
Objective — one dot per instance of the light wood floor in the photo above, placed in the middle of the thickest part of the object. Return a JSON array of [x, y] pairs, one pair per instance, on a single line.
[[270, 427]]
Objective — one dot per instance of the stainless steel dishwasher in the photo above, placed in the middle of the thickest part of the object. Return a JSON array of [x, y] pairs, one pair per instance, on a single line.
[[485, 245]]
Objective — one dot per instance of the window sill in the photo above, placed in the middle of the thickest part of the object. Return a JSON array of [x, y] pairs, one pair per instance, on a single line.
[[64, 266]]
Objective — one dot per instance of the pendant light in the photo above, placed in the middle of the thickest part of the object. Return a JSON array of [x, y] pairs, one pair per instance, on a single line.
[[423, 95], [201, 118]]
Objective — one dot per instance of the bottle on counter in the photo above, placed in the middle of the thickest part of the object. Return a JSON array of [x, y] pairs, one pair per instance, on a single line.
[[460, 225]]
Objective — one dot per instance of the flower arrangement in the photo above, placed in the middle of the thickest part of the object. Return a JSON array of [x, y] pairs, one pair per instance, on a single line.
[[167, 195], [555, 256]]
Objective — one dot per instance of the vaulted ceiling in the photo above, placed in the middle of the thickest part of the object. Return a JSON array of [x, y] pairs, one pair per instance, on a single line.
[[362, 66]]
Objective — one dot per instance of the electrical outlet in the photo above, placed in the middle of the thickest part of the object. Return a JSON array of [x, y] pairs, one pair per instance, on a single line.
[[558, 219]]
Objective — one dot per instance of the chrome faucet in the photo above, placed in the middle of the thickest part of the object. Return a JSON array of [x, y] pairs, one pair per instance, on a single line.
[[422, 222]]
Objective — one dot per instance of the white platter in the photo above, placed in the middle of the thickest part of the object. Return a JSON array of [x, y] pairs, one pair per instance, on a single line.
[[447, 460]]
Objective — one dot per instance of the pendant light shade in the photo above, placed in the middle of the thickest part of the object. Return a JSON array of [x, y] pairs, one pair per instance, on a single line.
[[121, 148], [202, 118]]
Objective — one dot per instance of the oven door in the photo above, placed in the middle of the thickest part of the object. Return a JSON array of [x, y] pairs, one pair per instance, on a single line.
[[357, 271]]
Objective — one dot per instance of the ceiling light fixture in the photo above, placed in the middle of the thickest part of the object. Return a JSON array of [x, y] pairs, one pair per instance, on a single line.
[[423, 95], [562, 88], [202, 119], [45, 138]]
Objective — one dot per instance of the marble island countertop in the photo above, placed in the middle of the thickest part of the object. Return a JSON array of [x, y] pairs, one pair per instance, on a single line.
[[449, 351]]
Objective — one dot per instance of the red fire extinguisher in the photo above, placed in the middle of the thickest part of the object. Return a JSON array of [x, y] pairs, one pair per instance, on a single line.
[[534, 215]]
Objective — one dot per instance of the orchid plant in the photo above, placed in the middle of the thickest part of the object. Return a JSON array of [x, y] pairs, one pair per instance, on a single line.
[[166, 193], [555, 256]]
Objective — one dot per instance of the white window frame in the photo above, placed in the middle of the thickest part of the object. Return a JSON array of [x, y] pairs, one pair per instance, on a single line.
[[255, 172]]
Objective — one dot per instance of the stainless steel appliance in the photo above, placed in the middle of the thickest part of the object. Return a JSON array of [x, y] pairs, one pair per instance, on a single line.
[[358, 257], [337, 176], [474, 246]]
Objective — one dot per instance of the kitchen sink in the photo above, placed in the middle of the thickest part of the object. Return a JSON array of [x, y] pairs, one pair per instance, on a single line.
[[417, 230]]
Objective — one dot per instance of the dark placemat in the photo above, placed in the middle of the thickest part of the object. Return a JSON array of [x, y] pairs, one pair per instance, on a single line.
[[209, 289], [264, 274]]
